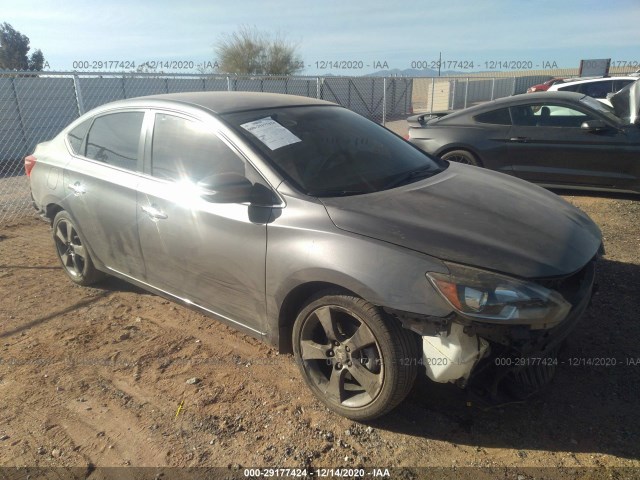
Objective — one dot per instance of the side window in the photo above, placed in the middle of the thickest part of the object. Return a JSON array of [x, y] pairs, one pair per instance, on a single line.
[[496, 117], [570, 88], [597, 89], [187, 149], [114, 139], [76, 136], [548, 115], [523, 115], [620, 84]]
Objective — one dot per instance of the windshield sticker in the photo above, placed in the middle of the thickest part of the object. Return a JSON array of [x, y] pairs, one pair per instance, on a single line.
[[271, 133]]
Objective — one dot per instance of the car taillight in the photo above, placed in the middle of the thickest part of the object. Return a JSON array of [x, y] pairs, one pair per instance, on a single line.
[[29, 163]]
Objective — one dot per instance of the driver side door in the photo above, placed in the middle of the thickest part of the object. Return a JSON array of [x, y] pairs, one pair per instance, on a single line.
[[547, 145], [208, 254]]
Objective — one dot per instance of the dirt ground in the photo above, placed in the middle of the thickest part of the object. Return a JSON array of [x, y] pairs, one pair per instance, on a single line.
[[105, 376]]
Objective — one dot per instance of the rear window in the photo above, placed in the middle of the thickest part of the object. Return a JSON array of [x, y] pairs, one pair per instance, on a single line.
[[496, 117], [114, 139], [76, 136]]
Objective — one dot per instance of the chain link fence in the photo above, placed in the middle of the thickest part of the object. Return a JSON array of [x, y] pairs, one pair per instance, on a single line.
[[548, 72], [435, 94], [36, 107]]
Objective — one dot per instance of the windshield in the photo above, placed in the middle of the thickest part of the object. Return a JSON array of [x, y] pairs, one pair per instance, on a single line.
[[328, 151], [625, 103], [597, 105]]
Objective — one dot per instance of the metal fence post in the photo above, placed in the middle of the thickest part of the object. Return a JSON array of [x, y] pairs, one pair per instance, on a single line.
[[79, 101], [229, 83], [318, 93], [466, 92], [394, 95], [453, 94], [433, 89], [408, 88], [373, 92], [513, 87], [493, 87], [384, 101]]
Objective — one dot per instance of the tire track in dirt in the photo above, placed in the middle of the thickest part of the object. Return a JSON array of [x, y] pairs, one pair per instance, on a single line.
[[87, 368]]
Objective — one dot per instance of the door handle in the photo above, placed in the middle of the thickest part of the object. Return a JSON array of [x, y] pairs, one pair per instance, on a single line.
[[154, 212], [519, 139], [77, 188]]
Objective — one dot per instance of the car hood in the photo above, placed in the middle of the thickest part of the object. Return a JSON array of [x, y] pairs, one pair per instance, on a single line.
[[626, 102], [476, 217]]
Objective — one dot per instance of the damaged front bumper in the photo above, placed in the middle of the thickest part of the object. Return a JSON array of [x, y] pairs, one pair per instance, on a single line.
[[463, 351]]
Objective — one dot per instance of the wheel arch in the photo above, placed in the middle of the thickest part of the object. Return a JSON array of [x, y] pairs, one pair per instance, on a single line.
[[467, 148], [297, 296], [50, 212], [294, 301]]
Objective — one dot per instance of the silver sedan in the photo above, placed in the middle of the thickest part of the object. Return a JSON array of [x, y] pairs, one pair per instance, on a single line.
[[308, 226]]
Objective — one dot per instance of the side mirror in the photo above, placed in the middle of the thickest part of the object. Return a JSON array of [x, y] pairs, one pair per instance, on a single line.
[[594, 126], [226, 188]]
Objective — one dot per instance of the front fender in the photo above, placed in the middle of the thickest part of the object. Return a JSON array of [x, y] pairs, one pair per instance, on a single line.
[[309, 248]]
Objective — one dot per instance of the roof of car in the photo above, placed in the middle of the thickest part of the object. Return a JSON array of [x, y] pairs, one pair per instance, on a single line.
[[592, 80], [226, 102], [515, 99], [543, 96]]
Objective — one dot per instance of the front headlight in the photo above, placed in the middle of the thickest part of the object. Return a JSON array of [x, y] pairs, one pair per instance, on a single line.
[[491, 297]]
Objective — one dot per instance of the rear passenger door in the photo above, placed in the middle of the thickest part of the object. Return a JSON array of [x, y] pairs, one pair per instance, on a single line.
[[208, 254], [100, 184]]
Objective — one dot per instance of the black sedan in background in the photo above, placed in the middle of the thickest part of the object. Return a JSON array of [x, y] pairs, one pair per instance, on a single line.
[[556, 139]]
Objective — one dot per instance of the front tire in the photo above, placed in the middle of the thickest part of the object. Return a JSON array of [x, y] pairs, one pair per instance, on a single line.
[[354, 357], [72, 251]]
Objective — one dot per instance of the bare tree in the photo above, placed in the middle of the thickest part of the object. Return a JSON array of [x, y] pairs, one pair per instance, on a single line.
[[250, 51]]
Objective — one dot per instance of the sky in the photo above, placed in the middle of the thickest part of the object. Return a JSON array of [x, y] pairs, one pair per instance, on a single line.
[[364, 35]]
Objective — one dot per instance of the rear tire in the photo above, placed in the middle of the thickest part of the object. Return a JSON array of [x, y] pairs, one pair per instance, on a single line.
[[355, 358], [462, 156], [72, 251]]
